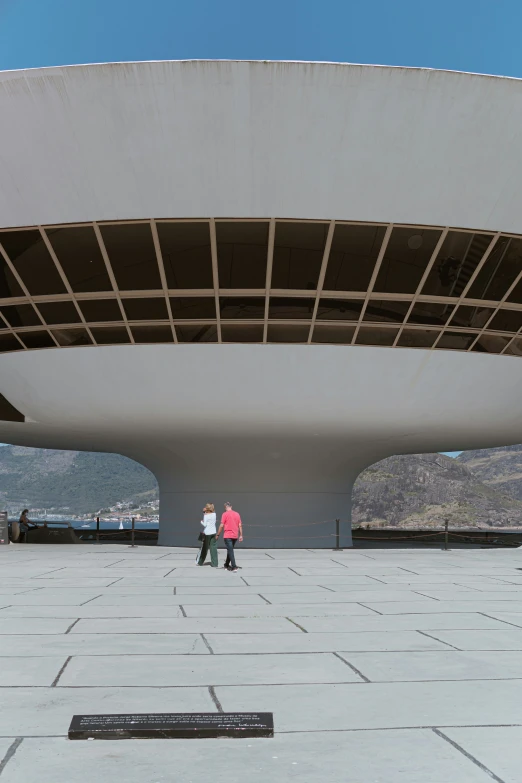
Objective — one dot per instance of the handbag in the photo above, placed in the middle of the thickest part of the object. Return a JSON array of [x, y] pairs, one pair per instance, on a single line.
[[201, 537]]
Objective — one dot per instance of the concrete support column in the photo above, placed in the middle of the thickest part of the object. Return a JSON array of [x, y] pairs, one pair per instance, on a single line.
[[285, 520]]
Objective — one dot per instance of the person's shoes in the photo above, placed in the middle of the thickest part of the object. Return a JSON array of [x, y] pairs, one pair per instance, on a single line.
[[227, 568], [234, 570]]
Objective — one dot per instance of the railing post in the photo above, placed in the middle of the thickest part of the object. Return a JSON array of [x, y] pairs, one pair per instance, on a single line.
[[132, 533], [446, 534], [337, 547], [98, 529]]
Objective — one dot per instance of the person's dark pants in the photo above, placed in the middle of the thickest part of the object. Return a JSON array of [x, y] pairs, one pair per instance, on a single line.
[[231, 560], [209, 543]]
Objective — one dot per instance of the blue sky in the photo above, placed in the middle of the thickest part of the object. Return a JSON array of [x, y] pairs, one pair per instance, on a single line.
[[469, 35]]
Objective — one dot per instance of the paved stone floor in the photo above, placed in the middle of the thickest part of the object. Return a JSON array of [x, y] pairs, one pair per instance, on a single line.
[[379, 665]]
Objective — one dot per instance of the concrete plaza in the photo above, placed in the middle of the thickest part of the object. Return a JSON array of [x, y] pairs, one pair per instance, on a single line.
[[379, 666]]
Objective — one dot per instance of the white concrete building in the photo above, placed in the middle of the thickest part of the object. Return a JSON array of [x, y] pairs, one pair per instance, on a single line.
[[258, 278]]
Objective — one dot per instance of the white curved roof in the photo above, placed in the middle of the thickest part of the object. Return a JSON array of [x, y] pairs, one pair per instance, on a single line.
[[263, 139]]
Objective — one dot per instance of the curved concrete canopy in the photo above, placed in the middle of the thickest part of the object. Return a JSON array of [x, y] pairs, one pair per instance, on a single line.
[[263, 139]]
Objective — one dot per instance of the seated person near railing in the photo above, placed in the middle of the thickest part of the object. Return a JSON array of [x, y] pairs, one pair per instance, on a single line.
[[25, 525]]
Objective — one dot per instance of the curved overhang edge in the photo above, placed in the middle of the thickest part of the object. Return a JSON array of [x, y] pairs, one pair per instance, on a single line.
[[322, 141]]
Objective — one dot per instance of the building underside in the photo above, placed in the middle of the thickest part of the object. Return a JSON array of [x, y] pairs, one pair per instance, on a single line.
[[258, 313]]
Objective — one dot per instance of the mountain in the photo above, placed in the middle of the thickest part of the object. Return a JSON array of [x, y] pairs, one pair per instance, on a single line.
[[479, 488], [74, 482], [499, 468], [425, 489]]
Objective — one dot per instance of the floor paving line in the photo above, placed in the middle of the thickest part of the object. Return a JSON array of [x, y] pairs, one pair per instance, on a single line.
[[70, 627], [57, 678], [264, 599], [10, 753], [431, 636], [297, 624], [372, 609], [213, 696], [506, 622], [418, 592], [316, 731], [86, 602], [183, 612], [468, 755], [207, 644], [352, 667]]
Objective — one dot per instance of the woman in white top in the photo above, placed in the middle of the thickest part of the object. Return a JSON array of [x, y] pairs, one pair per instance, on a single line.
[[209, 531]]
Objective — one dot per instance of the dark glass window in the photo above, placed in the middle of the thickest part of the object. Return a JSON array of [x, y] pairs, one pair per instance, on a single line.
[[242, 253], [499, 271], [506, 321], [516, 294], [100, 310], [298, 255], [187, 257], [37, 339], [110, 335], [8, 342], [339, 309], [242, 307], [32, 261], [287, 307], [456, 340], [369, 336], [352, 257], [329, 333], [490, 343], [72, 337], [197, 333], [405, 260], [514, 349], [242, 333], [288, 333], [152, 334], [200, 307], [59, 312], [21, 315], [79, 254], [469, 316], [381, 310], [9, 285], [417, 338], [146, 309], [459, 256], [132, 256], [430, 313]]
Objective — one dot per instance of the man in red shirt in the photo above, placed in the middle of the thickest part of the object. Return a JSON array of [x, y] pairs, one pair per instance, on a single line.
[[231, 524]]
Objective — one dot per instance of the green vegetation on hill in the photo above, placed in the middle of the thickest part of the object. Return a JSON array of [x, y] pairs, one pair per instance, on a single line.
[[72, 482]]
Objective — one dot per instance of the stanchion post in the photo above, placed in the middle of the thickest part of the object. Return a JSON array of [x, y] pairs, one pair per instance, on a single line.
[[132, 533], [98, 529], [337, 547], [446, 535]]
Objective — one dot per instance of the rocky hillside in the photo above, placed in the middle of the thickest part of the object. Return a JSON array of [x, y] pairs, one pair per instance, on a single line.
[[499, 468], [425, 489]]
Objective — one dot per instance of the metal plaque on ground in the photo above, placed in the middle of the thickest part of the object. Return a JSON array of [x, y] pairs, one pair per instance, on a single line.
[[183, 725], [4, 530]]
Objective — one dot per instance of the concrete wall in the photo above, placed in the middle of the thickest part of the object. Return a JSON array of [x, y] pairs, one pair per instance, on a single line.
[[255, 139]]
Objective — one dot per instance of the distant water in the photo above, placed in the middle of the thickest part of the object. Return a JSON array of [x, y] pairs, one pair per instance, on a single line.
[[89, 524]]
